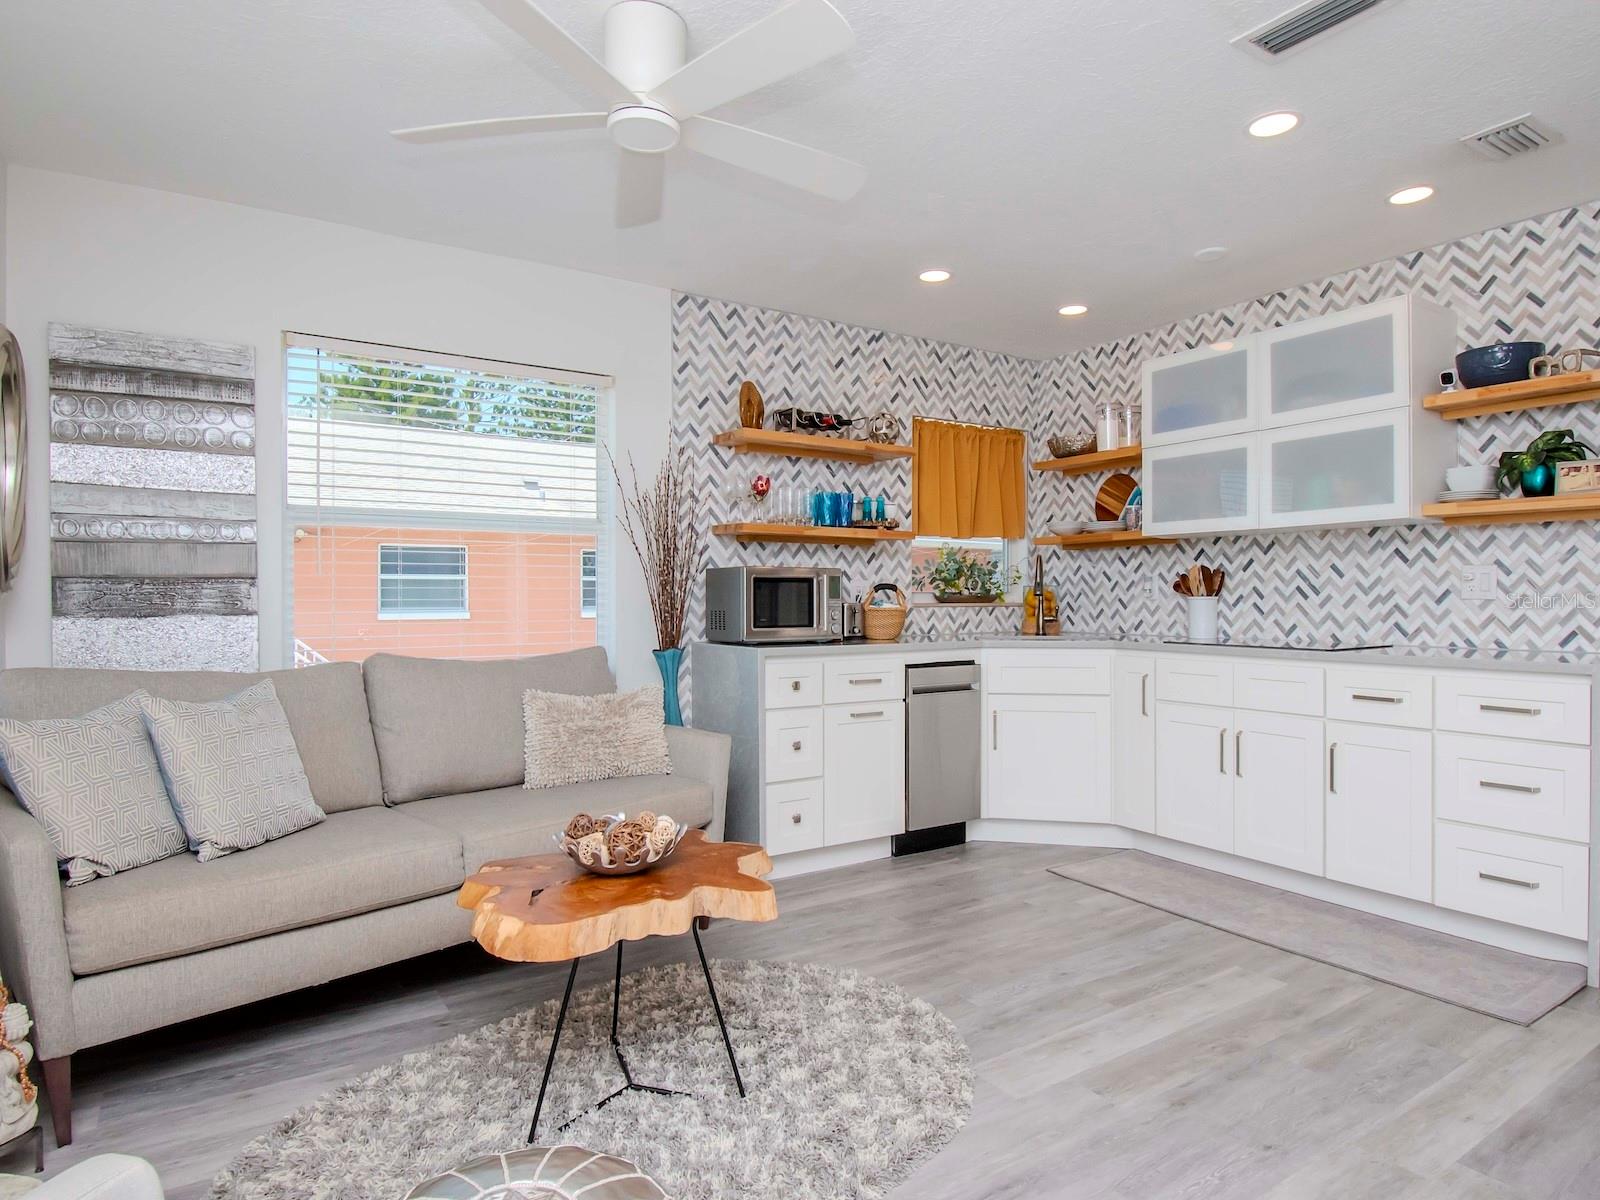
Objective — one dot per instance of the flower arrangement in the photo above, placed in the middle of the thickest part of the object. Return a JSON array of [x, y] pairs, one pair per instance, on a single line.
[[961, 574]]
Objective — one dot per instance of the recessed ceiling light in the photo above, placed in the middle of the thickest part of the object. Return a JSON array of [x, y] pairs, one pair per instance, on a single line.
[[1210, 253], [1073, 310], [1222, 347], [1411, 195], [934, 276], [1273, 123]]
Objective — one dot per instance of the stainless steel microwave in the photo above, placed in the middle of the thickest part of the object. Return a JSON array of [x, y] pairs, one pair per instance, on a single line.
[[774, 604]]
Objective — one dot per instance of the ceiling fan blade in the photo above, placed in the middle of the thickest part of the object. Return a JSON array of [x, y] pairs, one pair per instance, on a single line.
[[800, 34], [497, 126], [776, 158], [556, 43], [640, 180]]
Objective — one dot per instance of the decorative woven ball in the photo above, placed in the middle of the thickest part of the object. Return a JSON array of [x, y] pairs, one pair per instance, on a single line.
[[662, 832], [542, 1173], [646, 818], [627, 841], [580, 826], [592, 848]]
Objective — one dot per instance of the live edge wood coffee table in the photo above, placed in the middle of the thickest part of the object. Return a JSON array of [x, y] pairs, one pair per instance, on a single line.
[[549, 909]]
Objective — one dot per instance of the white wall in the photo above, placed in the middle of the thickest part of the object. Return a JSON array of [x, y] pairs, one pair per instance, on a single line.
[[98, 253]]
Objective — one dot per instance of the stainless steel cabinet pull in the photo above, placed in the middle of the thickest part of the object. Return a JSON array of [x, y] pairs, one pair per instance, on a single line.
[[1497, 786], [1238, 753], [854, 682], [1521, 883], [1333, 748], [1376, 699], [861, 716], [795, 818], [795, 686], [1519, 710], [994, 737], [797, 747], [1144, 691], [1222, 750]]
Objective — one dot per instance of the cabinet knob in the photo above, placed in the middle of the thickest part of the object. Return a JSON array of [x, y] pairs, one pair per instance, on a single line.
[[795, 818], [797, 747], [794, 685]]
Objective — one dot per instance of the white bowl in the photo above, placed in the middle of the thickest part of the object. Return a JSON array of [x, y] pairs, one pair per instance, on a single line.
[[1067, 528], [1471, 478]]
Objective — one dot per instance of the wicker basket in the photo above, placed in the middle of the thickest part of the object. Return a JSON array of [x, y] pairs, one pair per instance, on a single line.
[[884, 623]]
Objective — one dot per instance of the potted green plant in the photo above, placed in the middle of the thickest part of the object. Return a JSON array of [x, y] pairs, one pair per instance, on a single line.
[[961, 577], [1533, 469]]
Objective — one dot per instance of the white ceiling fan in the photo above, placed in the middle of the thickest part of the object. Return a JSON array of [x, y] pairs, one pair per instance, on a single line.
[[656, 99]]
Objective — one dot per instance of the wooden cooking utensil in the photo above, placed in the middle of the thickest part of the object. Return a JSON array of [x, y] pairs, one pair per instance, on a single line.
[[1220, 576], [1113, 495]]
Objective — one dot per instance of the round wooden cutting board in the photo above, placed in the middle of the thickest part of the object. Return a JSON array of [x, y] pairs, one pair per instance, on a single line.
[[1113, 495]]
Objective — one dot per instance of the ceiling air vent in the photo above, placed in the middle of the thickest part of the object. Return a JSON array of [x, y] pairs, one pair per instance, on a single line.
[[1302, 23], [1511, 138]]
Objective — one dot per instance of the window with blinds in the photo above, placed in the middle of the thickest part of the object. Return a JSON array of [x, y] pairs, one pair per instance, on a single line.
[[439, 505]]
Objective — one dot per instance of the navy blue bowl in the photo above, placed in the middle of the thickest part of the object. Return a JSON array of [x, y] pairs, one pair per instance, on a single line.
[[1504, 362]]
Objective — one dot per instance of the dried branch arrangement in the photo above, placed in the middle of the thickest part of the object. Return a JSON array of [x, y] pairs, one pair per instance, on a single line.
[[661, 521]]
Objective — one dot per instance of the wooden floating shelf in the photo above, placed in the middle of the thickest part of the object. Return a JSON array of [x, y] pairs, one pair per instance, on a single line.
[[808, 445], [1100, 460], [1574, 506], [822, 535], [1513, 397], [1101, 541]]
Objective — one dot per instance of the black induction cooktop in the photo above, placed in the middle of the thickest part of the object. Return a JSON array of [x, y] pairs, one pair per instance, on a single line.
[[1324, 646]]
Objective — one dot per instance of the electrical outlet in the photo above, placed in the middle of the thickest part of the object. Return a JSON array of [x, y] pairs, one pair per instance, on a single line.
[[1149, 586], [1480, 582]]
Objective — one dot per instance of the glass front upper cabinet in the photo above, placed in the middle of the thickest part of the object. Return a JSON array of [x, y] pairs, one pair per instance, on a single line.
[[1336, 472], [1337, 366], [1201, 487], [1202, 393]]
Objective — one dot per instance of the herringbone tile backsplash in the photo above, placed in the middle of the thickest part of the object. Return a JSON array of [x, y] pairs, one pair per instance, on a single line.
[[1538, 278]]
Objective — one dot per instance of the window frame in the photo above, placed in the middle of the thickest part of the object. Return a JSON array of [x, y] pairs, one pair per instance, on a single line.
[[1013, 552], [589, 583], [464, 613]]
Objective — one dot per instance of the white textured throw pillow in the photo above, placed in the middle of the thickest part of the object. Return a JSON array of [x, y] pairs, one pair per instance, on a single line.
[[232, 769], [577, 739], [94, 784]]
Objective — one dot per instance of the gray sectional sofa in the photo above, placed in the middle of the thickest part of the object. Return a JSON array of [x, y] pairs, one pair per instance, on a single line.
[[418, 764]]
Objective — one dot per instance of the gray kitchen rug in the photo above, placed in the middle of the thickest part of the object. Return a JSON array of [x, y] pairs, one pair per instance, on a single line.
[[1486, 979]]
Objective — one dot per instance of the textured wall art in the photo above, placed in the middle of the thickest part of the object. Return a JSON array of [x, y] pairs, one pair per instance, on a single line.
[[152, 501], [1538, 278]]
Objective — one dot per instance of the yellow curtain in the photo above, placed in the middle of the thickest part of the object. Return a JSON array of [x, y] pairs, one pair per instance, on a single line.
[[967, 480]]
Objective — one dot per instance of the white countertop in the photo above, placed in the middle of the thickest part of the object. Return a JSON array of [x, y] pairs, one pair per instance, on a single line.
[[1553, 662]]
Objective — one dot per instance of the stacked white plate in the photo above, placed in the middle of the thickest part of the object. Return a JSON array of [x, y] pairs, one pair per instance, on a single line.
[[1449, 497], [1102, 526]]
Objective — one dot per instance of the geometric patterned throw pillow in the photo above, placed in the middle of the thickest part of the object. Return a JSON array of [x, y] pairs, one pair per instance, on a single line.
[[93, 783], [232, 769]]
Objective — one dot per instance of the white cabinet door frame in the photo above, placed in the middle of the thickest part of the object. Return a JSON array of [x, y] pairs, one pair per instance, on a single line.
[[1194, 781], [1397, 395], [1397, 423], [1380, 808], [1156, 525], [1133, 739], [1047, 758], [1277, 789], [1244, 345], [864, 778]]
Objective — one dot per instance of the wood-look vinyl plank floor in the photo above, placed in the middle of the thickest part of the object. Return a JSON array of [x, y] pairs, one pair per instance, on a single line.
[[1120, 1052]]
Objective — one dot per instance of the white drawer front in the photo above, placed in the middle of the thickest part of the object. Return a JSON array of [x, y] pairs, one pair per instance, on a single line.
[[1518, 706], [1047, 672], [1381, 697], [793, 683], [1526, 787], [1508, 877], [853, 680], [1277, 687], [1195, 680], [794, 816], [793, 744]]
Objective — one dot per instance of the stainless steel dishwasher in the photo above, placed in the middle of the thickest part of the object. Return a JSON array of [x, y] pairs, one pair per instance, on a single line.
[[943, 729]]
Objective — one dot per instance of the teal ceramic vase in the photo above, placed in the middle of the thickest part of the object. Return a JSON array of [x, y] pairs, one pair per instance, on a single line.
[[1539, 481], [669, 661]]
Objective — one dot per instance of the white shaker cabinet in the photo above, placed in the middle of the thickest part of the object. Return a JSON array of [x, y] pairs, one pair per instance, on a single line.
[[1277, 789], [1133, 742], [864, 775], [1380, 808], [1194, 784], [1049, 758]]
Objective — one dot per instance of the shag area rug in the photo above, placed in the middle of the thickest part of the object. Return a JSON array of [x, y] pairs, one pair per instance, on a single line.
[[851, 1084]]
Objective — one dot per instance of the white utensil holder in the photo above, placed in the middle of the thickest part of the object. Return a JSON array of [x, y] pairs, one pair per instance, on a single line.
[[1202, 617]]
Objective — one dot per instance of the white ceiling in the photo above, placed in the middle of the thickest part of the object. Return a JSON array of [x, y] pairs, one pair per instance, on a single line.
[[1044, 151]]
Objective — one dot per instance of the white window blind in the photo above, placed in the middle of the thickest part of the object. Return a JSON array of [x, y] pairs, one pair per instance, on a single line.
[[440, 505]]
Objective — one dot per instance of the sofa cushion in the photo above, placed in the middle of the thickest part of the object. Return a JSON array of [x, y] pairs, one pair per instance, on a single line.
[[351, 863], [325, 704], [512, 822], [231, 768], [445, 726]]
